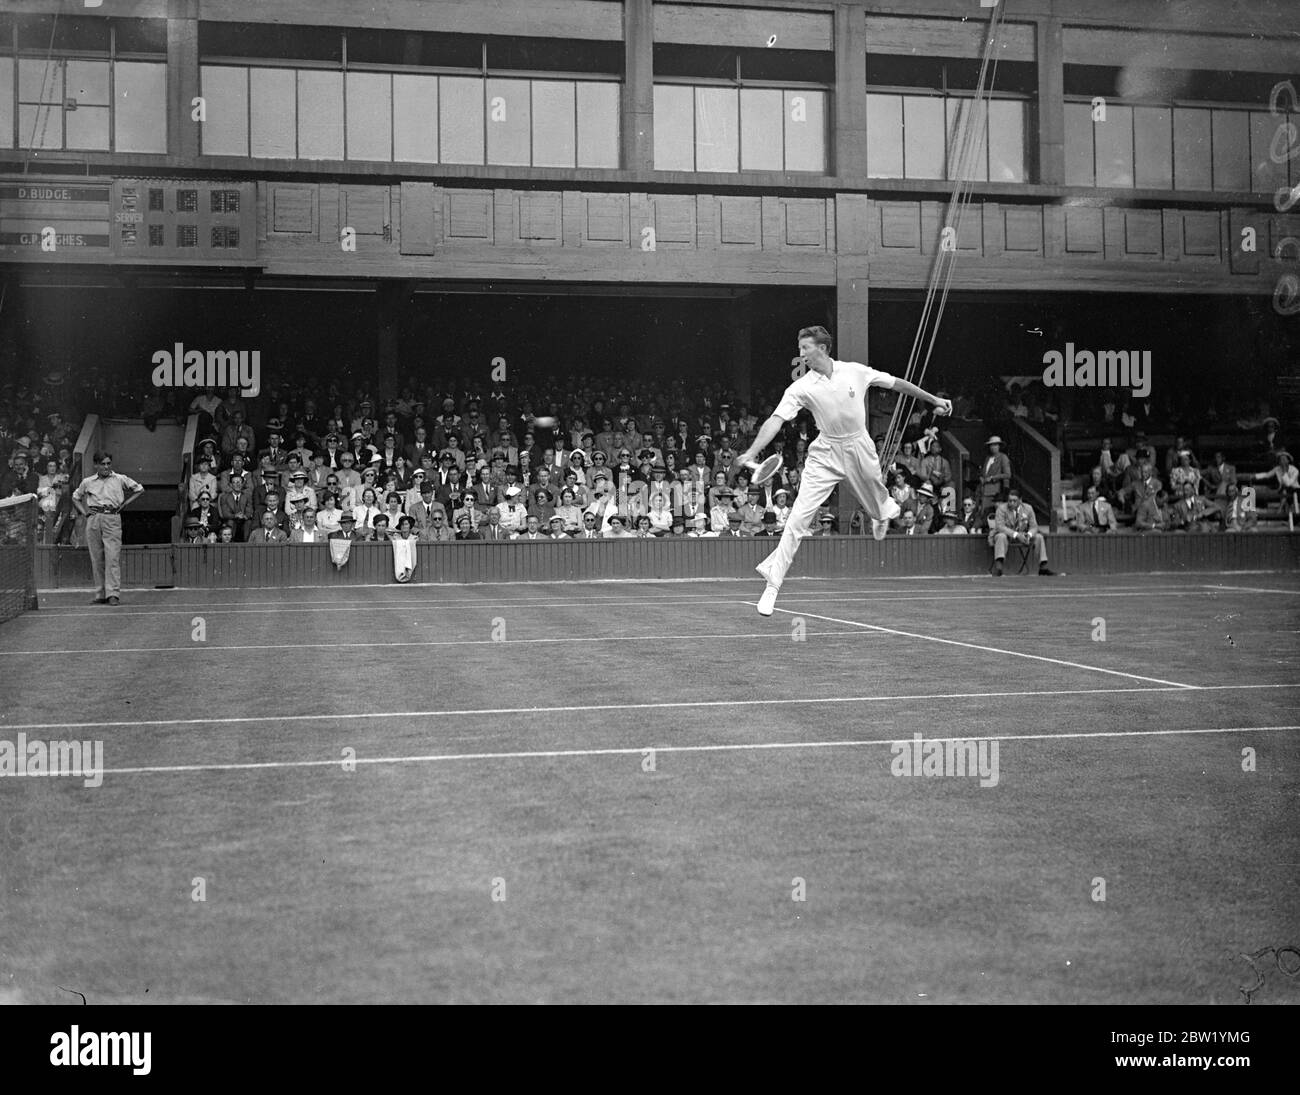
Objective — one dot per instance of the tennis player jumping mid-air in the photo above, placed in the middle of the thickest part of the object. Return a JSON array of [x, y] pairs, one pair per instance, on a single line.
[[835, 392]]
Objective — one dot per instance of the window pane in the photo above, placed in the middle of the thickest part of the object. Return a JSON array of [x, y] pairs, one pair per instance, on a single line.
[[598, 124], [554, 123], [460, 103], [87, 82], [1115, 147], [1006, 140], [674, 128], [370, 116], [40, 127], [225, 131], [1078, 145], [1231, 150], [976, 165], [923, 136], [1265, 175], [273, 109], [39, 82], [762, 129], [415, 118], [87, 127], [1191, 149], [805, 131], [510, 122], [717, 137], [885, 136], [320, 115], [140, 89], [6, 102], [1152, 136]]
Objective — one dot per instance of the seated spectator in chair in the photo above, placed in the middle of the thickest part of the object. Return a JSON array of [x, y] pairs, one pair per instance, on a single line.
[[927, 509], [1191, 513], [971, 519], [405, 528], [1144, 484], [660, 512], [1239, 513], [226, 534], [1152, 513], [908, 525], [1184, 472], [55, 505], [735, 525], [532, 529], [908, 461], [902, 492], [936, 469], [514, 514], [644, 529], [329, 517], [299, 492], [1097, 478], [720, 511], [206, 514], [424, 509], [995, 475], [238, 466], [1173, 457], [235, 506], [569, 511], [203, 480], [268, 531], [347, 528], [308, 532], [1015, 523], [1106, 462], [616, 527], [1094, 513], [952, 526], [590, 528], [1288, 480], [438, 530], [492, 528], [195, 533], [700, 528], [379, 533], [465, 529], [393, 508], [367, 509], [1219, 476], [825, 525], [542, 506], [751, 511], [780, 510]]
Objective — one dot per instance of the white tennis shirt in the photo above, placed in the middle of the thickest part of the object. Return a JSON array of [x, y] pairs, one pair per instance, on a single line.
[[837, 402]]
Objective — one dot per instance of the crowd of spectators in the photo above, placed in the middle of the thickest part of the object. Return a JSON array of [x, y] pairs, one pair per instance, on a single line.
[[1132, 486], [38, 432], [588, 459]]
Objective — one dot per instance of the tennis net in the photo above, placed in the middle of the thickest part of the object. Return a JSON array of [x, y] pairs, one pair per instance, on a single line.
[[17, 555]]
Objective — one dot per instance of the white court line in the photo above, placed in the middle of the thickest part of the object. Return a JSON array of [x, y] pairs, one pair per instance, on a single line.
[[550, 754], [988, 649], [269, 608], [712, 637], [1255, 589], [240, 720]]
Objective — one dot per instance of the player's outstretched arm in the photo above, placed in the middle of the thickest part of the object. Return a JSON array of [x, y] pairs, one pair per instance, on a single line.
[[766, 435], [942, 406]]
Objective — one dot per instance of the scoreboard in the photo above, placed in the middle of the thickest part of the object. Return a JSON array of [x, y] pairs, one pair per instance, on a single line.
[[176, 221]]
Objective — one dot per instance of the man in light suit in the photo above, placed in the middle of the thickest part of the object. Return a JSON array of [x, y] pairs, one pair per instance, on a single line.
[[1015, 523], [1094, 514]]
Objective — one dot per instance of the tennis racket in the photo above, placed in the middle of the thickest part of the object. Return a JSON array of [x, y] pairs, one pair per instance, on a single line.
[[765, 470]]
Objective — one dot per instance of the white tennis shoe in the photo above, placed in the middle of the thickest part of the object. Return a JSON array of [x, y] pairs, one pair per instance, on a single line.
[[767, 601]]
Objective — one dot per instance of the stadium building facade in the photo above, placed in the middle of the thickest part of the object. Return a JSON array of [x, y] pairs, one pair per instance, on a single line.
[[732, 152]]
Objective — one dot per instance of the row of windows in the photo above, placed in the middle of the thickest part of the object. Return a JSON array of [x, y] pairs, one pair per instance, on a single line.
[[103, 106], [1179, 148], [409, 118], [739, 129], [917, 137], [117, 105]]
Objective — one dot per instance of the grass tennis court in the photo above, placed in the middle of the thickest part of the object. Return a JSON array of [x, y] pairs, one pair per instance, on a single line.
[[500, 736]]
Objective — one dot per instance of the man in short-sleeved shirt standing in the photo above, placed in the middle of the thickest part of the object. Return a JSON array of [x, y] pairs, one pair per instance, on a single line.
[[835, 393], [100, 498]]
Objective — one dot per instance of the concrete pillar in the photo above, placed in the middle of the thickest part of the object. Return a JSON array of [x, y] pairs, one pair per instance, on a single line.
[[850, 137], [391, 300], [741, 337], [638, 86], [182, 78], [1051, 103]]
